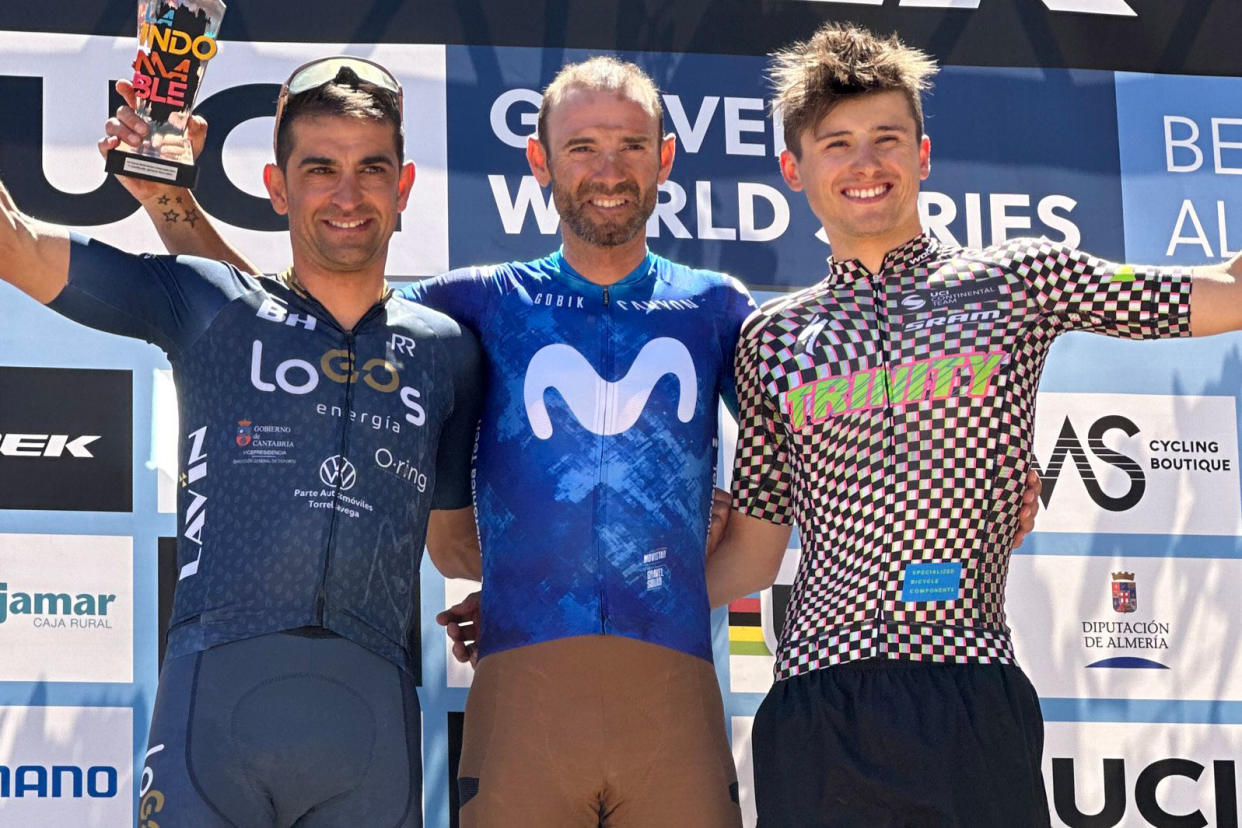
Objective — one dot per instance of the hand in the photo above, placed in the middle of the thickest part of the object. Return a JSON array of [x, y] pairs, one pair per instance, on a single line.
[[721, 502], [462, 623], [1030, 506], [126, 126]]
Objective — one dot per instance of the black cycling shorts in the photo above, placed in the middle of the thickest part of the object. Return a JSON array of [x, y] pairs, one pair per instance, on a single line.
[[901, 744]]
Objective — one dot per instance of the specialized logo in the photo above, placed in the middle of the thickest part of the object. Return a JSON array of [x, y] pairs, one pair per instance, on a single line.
[[338, 473], [809, 335], [911, 382], [603, 407], [46, 445]]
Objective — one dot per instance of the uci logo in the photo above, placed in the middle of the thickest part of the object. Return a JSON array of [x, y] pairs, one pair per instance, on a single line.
[[337, 472]]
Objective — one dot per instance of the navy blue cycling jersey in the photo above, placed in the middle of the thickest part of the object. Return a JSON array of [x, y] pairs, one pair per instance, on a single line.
[[597, 445], [309, 455]]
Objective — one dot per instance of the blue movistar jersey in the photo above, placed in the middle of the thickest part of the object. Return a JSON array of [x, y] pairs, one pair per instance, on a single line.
[[309, 455], [597, 445]]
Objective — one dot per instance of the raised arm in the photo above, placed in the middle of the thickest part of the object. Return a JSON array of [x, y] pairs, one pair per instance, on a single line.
[[182, 225], [1216, 298], [34, 255]]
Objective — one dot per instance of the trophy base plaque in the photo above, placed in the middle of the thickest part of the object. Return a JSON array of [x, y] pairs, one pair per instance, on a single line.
[[152, 169]]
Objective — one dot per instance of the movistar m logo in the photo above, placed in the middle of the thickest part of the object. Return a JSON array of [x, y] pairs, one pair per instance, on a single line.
[[604, 407], [936, 379]]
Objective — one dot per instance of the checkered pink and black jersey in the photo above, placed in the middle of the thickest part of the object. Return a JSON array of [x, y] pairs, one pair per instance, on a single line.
[[890, 415]]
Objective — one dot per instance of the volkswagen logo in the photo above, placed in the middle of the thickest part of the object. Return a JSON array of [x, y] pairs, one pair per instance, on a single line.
[[338, 472]]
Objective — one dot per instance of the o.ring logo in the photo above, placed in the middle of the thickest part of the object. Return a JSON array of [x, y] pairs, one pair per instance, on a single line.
[[338, 472]]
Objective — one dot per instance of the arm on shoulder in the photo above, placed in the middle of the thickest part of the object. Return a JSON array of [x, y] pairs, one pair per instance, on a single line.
[[453, 543], [747, 559]]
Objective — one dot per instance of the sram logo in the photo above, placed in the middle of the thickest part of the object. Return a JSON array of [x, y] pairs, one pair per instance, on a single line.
[[46, 445], [1110, 7]]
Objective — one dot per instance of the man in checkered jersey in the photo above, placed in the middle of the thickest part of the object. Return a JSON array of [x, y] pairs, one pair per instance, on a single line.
[[888, 411]]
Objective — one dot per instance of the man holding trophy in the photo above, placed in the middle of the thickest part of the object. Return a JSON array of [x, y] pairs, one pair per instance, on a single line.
[[286, 695]]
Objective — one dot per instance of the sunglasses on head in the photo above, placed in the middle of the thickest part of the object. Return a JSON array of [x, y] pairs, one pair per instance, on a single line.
[[340, 69]]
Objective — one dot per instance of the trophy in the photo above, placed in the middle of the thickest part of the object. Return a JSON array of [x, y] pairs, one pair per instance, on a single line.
[[176, 38]]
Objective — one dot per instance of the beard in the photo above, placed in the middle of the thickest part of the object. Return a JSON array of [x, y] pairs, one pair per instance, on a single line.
[[573, 212]]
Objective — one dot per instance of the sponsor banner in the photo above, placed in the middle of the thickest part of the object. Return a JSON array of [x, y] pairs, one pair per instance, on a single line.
[[739, 731], [1138, 464], [55, 455], [725, 205], [1147, 35], [1104, 774], [755, 624], [1127, 627], [1181, 155], [51, 166], [66, 608], [66, 766]]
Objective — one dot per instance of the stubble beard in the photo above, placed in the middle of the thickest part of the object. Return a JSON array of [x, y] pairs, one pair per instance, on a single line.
[[572, 209]]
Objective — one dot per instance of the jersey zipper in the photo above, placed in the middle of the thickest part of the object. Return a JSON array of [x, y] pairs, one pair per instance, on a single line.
[[890, 432], [601, 500], [351, 356]]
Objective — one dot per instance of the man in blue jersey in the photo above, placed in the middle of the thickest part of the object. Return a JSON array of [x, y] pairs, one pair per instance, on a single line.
[[286, 696]]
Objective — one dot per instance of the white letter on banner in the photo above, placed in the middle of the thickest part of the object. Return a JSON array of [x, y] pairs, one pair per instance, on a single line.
[[500, 109], [1117, 7], [1225, 252], [747, 192], [1073, 236], [1188, 211], [1218, 145], [735, 125], [1002, 222], [666, 211], [691, 135], [703, 211], [1170, 143], [938, 222], [529, 196]]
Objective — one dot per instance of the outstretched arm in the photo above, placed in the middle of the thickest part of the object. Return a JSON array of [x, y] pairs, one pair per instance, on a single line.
[[1216, 298], [34, 255], [182, 225]]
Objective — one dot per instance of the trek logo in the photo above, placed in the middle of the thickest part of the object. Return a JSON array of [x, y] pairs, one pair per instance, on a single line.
[[600, 406], [298, 376], [972, 292], [1147, 793], [338, 472], [46, 445], [1109, 7], [1069, 446]]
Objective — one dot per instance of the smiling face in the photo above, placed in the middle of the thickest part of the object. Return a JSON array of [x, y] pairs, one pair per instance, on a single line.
[[860, 168], [342, 188], [605, 160]]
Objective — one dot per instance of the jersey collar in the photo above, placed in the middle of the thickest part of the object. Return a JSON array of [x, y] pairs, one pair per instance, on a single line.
[[636, 276], [907, 255]]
